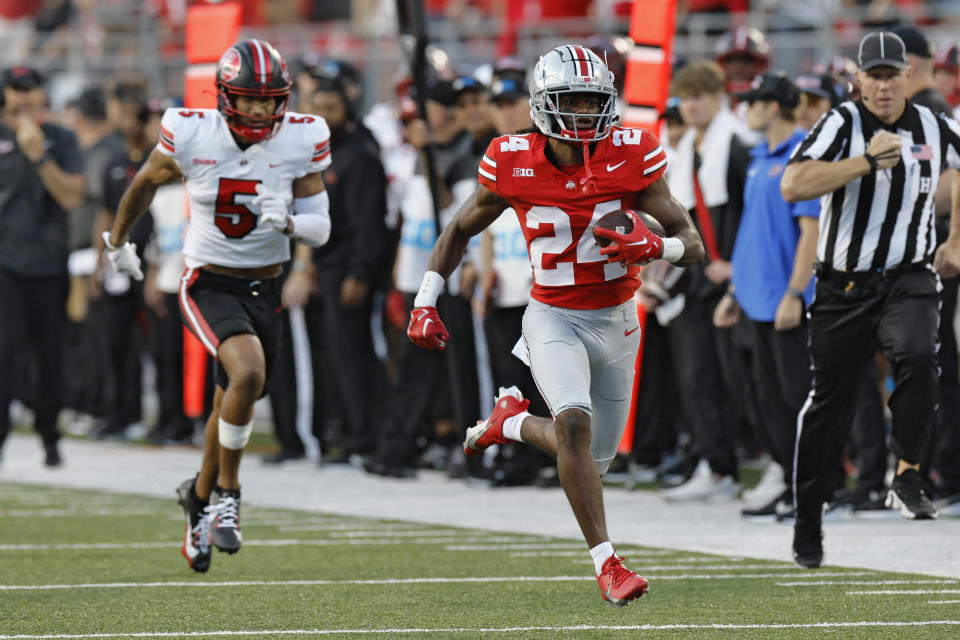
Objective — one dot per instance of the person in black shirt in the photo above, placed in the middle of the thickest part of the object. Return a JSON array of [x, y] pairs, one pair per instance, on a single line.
[[42, 179], [351, 264]]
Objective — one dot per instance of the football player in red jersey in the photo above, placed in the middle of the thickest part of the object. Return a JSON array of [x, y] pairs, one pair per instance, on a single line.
[[580, 329], [248, 165]]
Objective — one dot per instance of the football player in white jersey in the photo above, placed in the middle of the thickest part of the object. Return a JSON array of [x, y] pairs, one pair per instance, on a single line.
[[252, 173]]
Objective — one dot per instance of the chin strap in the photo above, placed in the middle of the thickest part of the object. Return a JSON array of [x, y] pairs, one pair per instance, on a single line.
[[588, 183]]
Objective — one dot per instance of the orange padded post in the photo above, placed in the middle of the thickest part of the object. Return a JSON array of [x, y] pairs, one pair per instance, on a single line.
[[652, 25], [211, 30]]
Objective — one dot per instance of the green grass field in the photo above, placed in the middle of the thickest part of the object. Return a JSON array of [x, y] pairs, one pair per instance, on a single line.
[[90, 564]]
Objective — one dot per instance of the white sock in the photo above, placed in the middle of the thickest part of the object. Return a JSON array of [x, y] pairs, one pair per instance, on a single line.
[[511, 426], [600, 553]]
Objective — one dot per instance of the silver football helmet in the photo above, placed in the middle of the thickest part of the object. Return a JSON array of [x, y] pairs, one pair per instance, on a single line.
[[571, 69]]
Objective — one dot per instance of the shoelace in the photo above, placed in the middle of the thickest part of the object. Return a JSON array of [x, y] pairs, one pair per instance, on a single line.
[[227, 512], [201, 531], [618, 571]]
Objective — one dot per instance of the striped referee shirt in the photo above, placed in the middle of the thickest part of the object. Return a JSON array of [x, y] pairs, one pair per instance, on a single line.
[[884, 219]]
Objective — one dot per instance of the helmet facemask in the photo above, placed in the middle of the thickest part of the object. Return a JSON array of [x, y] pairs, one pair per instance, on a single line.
[[256, 128]]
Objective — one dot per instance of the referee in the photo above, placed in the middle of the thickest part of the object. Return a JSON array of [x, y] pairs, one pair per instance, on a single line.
[[875, 163]]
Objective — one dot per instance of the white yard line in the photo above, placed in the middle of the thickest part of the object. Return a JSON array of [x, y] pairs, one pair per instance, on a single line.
[[943, 601], [398, 631], [393, 581], [830, 583], [895, 592]]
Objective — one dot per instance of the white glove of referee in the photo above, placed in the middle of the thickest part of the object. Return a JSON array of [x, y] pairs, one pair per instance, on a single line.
[[124, 258], [273, 209]]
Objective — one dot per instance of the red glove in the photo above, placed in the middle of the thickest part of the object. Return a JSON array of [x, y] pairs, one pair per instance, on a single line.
[[426, 329], [640, 246]]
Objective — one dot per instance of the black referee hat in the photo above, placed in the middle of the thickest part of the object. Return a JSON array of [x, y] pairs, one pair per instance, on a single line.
[[882, 49]]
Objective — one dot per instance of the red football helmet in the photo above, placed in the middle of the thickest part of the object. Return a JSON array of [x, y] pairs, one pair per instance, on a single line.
[[744, 53], [252, 68]]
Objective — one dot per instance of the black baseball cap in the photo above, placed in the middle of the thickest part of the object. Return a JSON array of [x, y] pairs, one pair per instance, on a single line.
[[508, 86], [882, 49], [915, 42], [774, 86], [822, 85], [22, 78]]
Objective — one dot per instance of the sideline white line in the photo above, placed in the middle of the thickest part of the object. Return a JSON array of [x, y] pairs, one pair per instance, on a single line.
[[393, 581], [830, 583], [895, 592], [943, 601], [582, 627]]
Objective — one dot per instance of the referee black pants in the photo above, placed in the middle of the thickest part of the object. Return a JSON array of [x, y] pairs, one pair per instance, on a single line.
[[851, 315]]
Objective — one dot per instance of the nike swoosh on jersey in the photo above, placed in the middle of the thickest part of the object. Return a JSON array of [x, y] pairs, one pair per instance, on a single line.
[[612, 167], [626, 333], [275, 164]]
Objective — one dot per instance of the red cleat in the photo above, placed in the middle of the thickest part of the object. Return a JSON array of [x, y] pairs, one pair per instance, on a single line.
[[509, 403], [619, 585]]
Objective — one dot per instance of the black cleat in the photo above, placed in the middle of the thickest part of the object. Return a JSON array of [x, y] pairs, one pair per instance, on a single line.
[[807, 542], [196, 536], [907, 494], [225, 519]]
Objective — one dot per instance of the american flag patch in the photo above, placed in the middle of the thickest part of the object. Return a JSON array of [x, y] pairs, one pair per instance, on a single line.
[[921, 152]]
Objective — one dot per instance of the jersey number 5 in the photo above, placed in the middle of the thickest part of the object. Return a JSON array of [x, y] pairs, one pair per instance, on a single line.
[[561, 274], [235, 220]]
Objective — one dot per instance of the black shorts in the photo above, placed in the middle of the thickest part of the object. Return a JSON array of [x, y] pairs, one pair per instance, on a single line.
[[216, 306]]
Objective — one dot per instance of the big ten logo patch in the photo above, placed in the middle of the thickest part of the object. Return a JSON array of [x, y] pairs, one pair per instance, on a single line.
[[519, 172]]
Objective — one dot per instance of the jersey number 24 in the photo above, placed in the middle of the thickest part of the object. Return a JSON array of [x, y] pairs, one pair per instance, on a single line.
[[561, 274]]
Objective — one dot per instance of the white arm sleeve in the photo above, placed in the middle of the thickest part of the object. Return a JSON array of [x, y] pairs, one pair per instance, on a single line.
[[311, 224]]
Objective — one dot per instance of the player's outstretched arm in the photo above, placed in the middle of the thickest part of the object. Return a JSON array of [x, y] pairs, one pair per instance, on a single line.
[[476, 214], [657, 200], [157, 171]]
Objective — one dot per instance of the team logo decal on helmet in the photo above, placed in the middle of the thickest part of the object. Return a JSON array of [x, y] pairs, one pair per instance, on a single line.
[[571, 69], [252, 68], [229, 65]]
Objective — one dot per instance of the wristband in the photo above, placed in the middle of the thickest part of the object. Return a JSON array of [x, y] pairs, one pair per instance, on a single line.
[[42, 160], [298, 265], [871, 161], [796, 293], [430, 289], [673, 249]]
